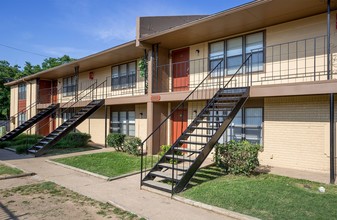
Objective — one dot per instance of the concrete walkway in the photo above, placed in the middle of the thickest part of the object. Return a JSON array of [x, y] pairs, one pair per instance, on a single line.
[[123, 192]]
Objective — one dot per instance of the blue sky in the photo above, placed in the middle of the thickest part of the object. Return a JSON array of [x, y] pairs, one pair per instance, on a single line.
[[81, 27]]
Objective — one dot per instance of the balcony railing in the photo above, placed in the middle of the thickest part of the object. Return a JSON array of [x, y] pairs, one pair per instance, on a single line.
[[290, 62], [130, 85]]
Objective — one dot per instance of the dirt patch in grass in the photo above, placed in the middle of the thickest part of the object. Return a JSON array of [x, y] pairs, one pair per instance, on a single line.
[[8, 171], [50, 201]]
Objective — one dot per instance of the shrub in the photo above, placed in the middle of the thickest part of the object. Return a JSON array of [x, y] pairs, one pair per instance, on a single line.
[[237, 157], [131, 145], [73, 140], [2, 131], [28, 140], [25, 136], [21, 149], [116, 140], [5, 144], [164, 149]]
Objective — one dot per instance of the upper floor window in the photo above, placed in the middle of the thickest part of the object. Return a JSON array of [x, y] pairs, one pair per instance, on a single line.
[[123, 76], [69, 86], [22, 91], [234, 51]]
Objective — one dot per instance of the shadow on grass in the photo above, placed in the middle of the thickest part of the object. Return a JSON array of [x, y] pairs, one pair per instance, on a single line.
[[213, 172]]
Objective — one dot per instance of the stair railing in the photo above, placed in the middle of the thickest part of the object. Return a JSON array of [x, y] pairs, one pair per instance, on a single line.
[[48, 92], [70, 104], [217, 78]]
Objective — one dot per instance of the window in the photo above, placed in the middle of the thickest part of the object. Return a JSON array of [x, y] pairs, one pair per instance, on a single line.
[[123, 76], [123, 122], [254, 45], [69, 86], [66, 116], [22, 91], [234, 51], [247, 125], [21, 118]]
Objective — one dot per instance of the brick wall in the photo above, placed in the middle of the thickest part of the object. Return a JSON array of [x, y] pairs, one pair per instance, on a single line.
[[296, 132]]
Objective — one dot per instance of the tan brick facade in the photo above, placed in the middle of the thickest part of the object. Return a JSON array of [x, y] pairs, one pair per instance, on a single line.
[[296, 132]]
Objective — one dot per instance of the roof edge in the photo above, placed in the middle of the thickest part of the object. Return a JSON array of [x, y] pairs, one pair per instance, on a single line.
[[73, 63], [210, 17]]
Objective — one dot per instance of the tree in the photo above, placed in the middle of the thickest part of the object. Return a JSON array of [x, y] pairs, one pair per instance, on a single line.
[[8, 73], [53, 62]]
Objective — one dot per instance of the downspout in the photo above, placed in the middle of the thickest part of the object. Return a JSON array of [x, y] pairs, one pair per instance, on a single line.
[[332, 107]]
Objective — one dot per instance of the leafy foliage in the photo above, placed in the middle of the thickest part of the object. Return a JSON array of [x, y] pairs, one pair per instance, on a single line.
[[131, 145], [74, 140], [164, 149], [10, 72], [237, 157], [116, 140], [124, 143]]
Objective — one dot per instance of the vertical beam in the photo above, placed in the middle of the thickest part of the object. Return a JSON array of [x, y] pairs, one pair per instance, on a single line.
[[149, 143], [105, 124], [76, 73], [332, 107]]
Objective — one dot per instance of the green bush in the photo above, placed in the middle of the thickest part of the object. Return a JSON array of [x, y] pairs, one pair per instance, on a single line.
[[237, 157], [74, 140], [28, 140], [116, 140], [25, 136], [22, 149], [164, 149], [131, 145], [2, 131], [5, 144]]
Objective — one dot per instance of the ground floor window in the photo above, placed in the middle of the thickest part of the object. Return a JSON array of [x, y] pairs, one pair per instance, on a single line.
[[247, 125], [22, 118], [123, 122], [68, 114]]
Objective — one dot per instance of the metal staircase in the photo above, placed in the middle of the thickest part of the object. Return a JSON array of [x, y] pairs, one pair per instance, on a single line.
[[226, 95], [24, 126], [51, 139], [199, 138]]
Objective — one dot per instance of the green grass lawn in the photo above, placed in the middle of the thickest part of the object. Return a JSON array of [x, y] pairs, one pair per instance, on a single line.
[[110, 164], [5, 170], [264, 196]]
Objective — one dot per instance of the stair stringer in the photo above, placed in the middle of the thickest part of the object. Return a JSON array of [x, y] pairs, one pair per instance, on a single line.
[[176, 143], [67, 130], [30, 122], [209, 146]]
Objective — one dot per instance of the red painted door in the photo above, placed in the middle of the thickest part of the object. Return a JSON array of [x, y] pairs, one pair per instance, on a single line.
[[54, 89], [44, 126], [181, 69], [44, 91], [179, 124]]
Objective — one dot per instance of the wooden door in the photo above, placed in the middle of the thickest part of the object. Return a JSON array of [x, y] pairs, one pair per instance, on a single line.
[[45, 91], [54, 93], [181, 69], [44, 126], [179, 124]]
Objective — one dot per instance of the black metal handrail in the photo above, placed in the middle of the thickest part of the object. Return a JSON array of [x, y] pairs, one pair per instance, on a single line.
[[92, 88], [27, 108], [221, 83]]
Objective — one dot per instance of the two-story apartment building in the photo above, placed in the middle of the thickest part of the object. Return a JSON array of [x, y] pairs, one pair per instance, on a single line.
[[263, 72]]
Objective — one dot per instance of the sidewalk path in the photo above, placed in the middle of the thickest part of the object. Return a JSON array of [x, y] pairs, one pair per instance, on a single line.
[[124, 192]]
